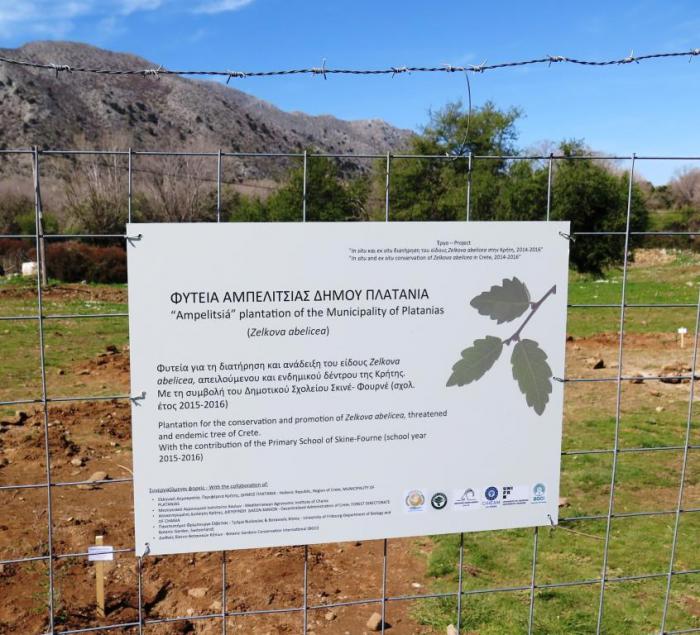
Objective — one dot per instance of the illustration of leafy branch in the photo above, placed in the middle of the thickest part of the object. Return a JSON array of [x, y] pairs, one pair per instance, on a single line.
[[504, 303]]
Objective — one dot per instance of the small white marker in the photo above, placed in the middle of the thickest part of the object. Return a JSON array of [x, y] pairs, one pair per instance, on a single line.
[[682, 332]]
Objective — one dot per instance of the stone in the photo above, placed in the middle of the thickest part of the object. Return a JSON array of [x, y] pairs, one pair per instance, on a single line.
[[638, 379], [374, 623], [95, 476], [659, 408], [197, 592], [85, 371], [676, 367], [451, 630], [330, 616], [416, 585], [77, 462], [595, 362], [215, 606], [563, 501]]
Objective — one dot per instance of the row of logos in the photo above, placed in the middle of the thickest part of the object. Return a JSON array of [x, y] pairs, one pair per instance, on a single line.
[[477, 497]]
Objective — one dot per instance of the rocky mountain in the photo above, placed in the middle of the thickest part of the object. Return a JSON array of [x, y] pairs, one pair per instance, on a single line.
[[80, 110]]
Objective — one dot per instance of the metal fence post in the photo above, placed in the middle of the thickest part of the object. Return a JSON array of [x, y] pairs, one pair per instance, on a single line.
[[684, 466], [303, 193], [218, 186], [469, 186], [460, 582], [460, 572], [618, 403], [223, 592], [386, 192], [305, 621], [41, 281], [129, 185], [549, 185], [535, 536], [139, 574], [385, 545], [39, 222], [306, 590]]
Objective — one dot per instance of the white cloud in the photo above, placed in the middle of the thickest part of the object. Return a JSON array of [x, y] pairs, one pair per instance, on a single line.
[[221, 6], [56, 18], [127, 7], [26, 19]]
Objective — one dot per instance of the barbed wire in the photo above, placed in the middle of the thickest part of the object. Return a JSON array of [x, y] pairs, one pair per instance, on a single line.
[[324, 71]]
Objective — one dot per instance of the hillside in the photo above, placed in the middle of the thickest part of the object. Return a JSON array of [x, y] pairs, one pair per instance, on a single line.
[[78, 110]]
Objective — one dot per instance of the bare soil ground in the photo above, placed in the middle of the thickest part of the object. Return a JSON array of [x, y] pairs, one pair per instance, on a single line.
[[85, 438]]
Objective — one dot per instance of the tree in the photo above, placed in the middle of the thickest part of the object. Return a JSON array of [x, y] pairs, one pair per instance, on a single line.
[[685, 188], [235, 207], [595, 200], [328, 197], [592, 194], [587, 192], [523, 194], [177, 189], [436, 189], [96, 195]]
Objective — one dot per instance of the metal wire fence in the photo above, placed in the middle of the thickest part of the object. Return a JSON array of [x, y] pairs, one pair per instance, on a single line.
[[673, 510], [324, 71]]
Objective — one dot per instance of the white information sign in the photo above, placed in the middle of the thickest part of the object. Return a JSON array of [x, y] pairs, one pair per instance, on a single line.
[[319, 382]]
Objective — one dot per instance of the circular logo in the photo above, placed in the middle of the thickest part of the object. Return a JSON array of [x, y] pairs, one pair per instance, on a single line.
[[491, 493], [415, 499], [538, 493], [438, 500]]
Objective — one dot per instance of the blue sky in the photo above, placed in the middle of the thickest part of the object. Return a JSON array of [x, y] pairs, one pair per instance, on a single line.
[[648, 108]]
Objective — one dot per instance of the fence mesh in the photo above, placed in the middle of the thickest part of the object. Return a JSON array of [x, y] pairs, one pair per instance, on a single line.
[[621, 516]]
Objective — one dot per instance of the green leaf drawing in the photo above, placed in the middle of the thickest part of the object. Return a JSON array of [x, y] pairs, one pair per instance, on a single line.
[[533, 374], [476, 360], [503, 303]]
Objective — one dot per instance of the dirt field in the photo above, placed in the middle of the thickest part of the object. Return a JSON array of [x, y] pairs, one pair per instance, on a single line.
[[86, 438]]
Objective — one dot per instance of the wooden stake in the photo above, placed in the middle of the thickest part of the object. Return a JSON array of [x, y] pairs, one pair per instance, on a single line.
[[682, 331], [100, 580]]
